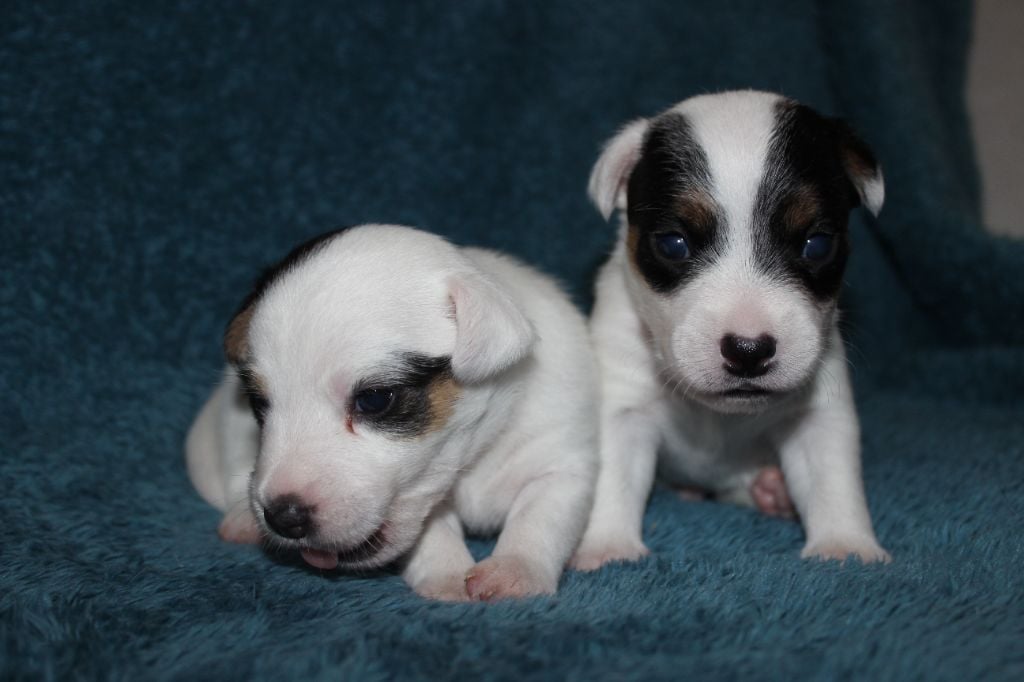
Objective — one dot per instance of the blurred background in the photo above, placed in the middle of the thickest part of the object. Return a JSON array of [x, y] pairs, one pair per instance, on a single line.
[[995, 100]]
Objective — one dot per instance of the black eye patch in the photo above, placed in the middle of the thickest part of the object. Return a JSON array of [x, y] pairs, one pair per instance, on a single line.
[[670, 206], [803, 203], [403, 400], [259, 403]]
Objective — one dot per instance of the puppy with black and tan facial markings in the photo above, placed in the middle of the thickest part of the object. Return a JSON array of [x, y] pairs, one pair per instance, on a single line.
[[715, 319], [387, 389]]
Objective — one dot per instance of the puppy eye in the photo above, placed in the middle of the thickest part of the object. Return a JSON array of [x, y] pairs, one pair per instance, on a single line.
[[818, 247], [374, 401], [672, 245], [260, 406]]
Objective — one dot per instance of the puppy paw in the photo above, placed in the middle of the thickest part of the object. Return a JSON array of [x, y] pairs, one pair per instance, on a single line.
[[239, 525], [448, 587], [867, 551], [593, 555], [507, 577], [770, 494]]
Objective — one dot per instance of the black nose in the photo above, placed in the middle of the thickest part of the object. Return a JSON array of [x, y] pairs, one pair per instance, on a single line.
[[289, 517], [747, 357]]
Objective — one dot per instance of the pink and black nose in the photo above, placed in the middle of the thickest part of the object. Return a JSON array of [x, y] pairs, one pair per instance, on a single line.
[[746, 357], [289, 517]]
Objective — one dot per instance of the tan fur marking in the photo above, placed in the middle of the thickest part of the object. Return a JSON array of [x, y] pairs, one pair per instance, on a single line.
[[441, 396], [632, 237], [259, 383], [856, 166], [697, 209], [236, 337], [801, 210]]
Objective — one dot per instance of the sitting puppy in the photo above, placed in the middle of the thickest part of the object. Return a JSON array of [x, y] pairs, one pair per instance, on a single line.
[[385, 389], [715, 319]]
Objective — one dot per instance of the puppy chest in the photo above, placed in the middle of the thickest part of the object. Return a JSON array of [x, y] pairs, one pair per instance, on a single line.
[[711, 455]]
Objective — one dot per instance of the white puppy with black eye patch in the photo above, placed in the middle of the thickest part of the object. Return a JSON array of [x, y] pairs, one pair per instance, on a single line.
[[715, 319], [387, 389]]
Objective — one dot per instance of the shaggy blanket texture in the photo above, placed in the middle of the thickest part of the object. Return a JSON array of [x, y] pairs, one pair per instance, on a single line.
[[154, 159]]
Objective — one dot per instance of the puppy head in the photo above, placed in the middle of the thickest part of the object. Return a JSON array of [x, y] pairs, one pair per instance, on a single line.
[[367, 356], [736, 238]]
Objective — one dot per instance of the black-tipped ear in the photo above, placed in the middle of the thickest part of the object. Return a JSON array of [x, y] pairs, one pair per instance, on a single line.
[[608, 179], [861, 166]]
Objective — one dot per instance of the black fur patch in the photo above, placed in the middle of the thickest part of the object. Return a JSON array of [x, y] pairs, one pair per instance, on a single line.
[[668, 192], [259, 403], [806, 159], [411, 378]]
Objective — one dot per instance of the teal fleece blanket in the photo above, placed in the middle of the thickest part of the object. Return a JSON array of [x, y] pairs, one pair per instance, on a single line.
[[154, 157]]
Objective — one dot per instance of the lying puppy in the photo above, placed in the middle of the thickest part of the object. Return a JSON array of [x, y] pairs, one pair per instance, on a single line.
[[715, 319], [399, 388]]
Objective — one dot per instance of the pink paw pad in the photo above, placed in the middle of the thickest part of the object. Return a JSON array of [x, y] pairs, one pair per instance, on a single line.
[[239, 525], [770, 494], [505, 577]]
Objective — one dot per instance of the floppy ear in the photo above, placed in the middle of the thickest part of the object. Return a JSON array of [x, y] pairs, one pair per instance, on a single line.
[[861, 168], [492, 333], [608, 179]]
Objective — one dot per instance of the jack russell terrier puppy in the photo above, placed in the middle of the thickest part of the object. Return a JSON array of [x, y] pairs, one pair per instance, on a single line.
[[386, 389], [715, 319]]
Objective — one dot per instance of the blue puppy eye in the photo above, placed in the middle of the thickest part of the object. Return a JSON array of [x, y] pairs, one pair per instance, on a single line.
[[818, 247], [672, 245], [374, 401]]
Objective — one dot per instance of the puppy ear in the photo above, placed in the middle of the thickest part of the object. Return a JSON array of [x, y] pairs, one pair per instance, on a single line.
[[861, 168], [492, 333], [608, 179]]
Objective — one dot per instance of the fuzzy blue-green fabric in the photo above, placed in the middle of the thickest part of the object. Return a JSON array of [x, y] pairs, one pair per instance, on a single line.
[[153, 160]]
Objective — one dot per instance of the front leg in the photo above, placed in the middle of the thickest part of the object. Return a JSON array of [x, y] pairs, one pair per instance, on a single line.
[[821, 462], [631, 432], [437, 566], [629, 452], [221, 450], [542, 528]]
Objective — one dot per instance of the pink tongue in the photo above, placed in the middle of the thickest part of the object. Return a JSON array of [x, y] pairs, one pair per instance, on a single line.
[[320, 559]]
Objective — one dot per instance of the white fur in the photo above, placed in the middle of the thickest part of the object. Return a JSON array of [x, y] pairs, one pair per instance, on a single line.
[[517, 453], [661, 367], [872, 193], [608, 180]]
